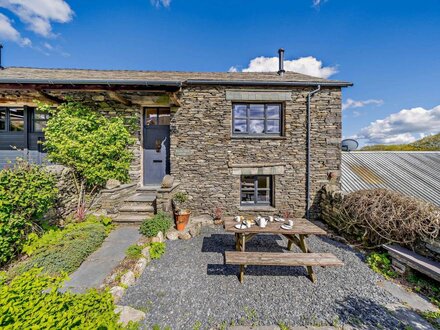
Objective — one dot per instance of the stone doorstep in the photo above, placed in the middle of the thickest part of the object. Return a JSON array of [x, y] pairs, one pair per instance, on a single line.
[[141, 197]]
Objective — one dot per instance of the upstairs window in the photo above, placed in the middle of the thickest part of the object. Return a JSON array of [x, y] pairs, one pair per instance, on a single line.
[[257, 119], [256, 190]]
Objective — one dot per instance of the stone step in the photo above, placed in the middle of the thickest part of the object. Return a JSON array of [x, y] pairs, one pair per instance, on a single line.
[[141, 197], [137, 207], [148, 188], [124, 218]]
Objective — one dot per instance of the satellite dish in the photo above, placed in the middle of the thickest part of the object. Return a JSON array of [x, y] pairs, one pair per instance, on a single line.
[[349, 145]]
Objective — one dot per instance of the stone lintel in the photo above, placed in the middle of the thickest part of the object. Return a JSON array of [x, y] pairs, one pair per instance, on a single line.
[[266, 95], [264, 170]]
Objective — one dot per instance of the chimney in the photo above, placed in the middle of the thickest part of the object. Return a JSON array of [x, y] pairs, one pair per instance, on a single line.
[[1, 66], [281, 70]]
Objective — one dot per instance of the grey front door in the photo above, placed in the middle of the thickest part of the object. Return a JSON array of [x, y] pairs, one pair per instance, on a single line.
[[156, 144]]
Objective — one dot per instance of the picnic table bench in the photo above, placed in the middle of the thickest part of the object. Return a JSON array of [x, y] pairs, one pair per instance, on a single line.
[[296, 236]]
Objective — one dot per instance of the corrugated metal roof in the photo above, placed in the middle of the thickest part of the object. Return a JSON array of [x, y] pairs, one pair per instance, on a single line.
[[413, 173]]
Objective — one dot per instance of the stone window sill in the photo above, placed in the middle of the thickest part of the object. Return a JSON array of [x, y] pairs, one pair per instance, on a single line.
[[262, 208], [257, 137]]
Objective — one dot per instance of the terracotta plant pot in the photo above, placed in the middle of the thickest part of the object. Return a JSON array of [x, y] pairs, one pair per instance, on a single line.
[[182, 219]]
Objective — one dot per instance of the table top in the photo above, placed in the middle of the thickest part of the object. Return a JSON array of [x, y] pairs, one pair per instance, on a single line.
[[300, 227]]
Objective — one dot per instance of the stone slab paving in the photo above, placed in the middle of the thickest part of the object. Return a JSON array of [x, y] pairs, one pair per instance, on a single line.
[[99, 264], [190, 287]]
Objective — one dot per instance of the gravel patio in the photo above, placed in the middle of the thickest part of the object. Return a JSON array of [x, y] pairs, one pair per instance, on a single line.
[[190, 287]]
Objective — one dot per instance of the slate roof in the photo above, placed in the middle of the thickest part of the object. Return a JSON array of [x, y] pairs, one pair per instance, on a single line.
[[413, 173], [26, 75]]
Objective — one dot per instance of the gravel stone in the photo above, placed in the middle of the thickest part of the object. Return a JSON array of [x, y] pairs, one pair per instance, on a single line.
[[191, 284]]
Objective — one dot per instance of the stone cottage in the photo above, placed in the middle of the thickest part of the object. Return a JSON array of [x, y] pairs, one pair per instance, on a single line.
[[232, 140]]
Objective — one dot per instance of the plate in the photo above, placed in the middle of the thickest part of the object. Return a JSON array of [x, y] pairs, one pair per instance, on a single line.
[[279, 219], [240, 226], [286, 227]]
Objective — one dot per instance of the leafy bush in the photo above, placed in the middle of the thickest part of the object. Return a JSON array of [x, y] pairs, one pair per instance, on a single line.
[[95, 147], [160, 222], [380, 216], [33, 301], [62, 250], [157, 249], [381, 264], [134, 251], [27, 192]]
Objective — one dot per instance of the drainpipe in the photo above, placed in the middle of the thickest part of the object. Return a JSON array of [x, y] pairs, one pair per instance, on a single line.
[[308, 157]]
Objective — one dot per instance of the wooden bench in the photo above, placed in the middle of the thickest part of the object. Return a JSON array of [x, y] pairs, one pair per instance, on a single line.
[[280, 259], [402, 257]]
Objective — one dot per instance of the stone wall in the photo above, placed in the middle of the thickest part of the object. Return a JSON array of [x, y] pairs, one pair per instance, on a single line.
[[67, 196], [208, 161]]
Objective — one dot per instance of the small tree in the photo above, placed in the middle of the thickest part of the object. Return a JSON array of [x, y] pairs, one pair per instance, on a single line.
[[93, 146]]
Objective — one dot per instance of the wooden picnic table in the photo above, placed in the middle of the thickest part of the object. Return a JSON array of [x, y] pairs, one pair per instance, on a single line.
[[297, 235]]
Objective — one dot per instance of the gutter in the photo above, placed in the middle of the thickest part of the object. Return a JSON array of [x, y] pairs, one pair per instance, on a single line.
[[308, 151], [91, 82], [267, 83]]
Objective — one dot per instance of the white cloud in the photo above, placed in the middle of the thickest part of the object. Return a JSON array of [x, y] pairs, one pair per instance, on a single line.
[[350, 103], [38, 15], [317, 3], [159, 3], [8, 32], [307, 65], [405, 126]]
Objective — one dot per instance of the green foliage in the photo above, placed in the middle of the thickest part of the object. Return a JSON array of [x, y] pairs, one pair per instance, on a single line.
[[33, 301], [429, 143], [160, 222], [157, 249], [27, 192], [180, 197], [425, 285], [94, 146], [62, 250], [134, 251], [381, 264], [432, 317]]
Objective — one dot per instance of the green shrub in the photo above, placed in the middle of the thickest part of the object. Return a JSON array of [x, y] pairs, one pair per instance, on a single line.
[[160, 222], [381, 264], [157, 249], [95, 147], [134, 251], [27, 192], [62, 250], [33, 301]]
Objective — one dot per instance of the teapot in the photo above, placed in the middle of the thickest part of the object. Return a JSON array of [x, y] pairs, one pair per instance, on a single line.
[[261, 221]]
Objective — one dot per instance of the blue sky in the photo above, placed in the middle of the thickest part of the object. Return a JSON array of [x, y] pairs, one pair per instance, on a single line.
[[389, 49]]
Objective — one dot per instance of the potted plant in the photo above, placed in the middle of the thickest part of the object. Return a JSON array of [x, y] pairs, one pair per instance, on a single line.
[[217, 215], [181, 214]]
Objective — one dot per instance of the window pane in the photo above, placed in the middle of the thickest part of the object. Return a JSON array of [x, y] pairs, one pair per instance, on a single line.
[[256, 126], [256, 111], [164, 116], [273, 111], [240, 126], [239, 111], [263, 182], [151, 117], [263, 197], [38, 115], [2, 119], [39, 125], [247, 198], [17, 120], [273, 126]]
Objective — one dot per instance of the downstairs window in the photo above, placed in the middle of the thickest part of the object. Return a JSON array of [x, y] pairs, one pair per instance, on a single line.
[[256, 190]]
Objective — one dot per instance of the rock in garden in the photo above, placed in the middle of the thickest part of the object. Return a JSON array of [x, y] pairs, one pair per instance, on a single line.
[[117, 293], [146, 252], [112, 184], [140, 265], [203, 219], [159, 238], [127, 314], [128, 278], [172, 235], [184, 235], [167, 181], [195, 229]]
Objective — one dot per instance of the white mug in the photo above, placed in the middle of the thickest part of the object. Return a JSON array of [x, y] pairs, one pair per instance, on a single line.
[[290, 223], [270, 218], [237, 218]]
